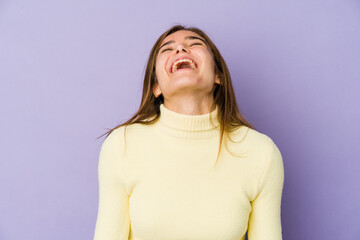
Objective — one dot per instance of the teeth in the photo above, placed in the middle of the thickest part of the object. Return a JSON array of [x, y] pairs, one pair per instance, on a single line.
[[192, 64]]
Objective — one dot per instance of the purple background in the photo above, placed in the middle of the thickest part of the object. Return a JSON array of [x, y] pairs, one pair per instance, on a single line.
[[71, 69]]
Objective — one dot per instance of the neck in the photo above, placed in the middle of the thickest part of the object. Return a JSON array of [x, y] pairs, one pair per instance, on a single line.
[[189, 126]]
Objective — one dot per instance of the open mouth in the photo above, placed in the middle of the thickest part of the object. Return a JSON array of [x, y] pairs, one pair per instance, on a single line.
[[183, 63]]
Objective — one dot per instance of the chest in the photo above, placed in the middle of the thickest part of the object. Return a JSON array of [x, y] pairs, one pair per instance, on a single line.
[[179, 202]]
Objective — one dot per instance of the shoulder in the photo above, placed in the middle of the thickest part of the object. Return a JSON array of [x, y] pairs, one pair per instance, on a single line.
[[114, 135], [112, 141], [134, 131], [261, 139], [265, 144], [257, 146], [119, 132], [270, 157], [252, 137]]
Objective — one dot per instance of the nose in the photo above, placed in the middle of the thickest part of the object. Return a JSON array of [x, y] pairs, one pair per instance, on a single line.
[[181, 47]]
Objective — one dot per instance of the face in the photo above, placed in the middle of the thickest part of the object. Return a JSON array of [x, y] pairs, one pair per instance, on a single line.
[[201, 79]]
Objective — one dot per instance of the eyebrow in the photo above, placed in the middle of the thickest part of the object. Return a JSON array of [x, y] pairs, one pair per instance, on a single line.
[[188, 37]]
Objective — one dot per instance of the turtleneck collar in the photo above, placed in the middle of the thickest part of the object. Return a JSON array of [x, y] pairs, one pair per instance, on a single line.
[[189, 126]]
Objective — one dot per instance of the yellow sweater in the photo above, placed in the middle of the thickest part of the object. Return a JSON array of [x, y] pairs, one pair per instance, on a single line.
[[165, 186]]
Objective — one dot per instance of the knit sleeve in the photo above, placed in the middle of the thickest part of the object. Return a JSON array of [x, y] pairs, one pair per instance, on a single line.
[[265, 216], [113, 222]]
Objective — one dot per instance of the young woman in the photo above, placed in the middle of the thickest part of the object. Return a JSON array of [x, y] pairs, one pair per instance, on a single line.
[[187, 165]]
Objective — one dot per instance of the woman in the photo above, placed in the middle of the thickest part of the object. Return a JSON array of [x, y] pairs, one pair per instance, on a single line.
[[165, 174]]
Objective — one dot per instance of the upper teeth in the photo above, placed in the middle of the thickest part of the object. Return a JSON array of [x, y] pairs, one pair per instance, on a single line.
[[177, 62]]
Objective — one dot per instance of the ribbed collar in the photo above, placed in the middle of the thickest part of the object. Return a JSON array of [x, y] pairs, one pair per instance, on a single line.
[[189, 126]]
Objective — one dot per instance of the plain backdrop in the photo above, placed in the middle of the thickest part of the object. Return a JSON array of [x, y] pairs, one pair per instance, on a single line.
[[70, 70]]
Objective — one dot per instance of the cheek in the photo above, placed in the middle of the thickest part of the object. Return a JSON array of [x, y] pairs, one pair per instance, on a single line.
[[157, 68], [160, 66], [209, 62], [207, 59]]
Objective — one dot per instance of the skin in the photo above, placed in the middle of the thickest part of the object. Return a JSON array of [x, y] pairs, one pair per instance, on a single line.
[[187, 91]]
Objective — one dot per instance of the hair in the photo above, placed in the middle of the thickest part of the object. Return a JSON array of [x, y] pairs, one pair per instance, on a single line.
[[229, 115]]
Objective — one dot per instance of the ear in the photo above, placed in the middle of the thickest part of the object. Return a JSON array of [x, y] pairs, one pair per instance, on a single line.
[[156, 90], [217, 79]]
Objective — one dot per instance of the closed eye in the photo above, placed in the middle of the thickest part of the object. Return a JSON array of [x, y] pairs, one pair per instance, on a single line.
[[165, 49], [171, 48]]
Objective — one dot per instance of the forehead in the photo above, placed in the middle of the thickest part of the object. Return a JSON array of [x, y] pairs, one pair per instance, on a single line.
[[180, 35]]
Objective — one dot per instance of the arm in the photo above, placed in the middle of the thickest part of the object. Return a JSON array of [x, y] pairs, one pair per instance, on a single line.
[[265, 217], [113, 221]]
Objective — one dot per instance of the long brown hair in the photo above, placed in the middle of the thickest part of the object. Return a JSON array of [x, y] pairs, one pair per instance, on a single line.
[[229, 115]]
